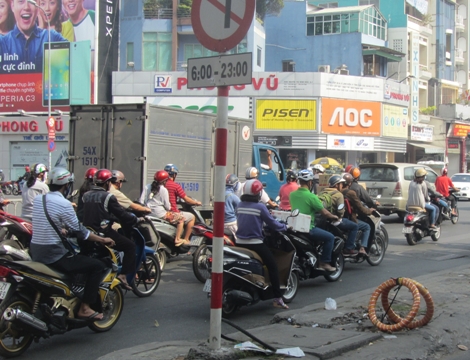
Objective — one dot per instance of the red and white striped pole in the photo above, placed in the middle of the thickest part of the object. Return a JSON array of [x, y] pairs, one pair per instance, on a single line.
[[219, 210]]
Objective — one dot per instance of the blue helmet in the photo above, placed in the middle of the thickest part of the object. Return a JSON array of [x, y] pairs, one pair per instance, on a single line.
[[171, 169]]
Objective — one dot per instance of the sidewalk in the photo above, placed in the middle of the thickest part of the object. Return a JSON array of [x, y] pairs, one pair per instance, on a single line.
[[345, 333]]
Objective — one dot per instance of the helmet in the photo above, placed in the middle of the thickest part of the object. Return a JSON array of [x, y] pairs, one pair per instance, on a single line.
[[27, 169], [231, 180], [90, 173], [161, 176], [318, 167], [251, 173], [355, 172], [305, 175], [102, 176], [348, 178], [60, 176], [348, 168], [444, 171], [291, 176], [171, 169], [118, 176], [253, 187], [39, 168], [335, 180], [420, 173]]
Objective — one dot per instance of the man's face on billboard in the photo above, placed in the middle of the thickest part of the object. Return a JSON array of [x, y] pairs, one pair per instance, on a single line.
[[73, 7], [25, 15]]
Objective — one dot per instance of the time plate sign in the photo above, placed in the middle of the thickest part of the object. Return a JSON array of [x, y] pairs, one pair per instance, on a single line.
[[222, 70]]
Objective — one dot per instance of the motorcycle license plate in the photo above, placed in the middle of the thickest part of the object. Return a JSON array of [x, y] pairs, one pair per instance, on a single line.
[[207, 286], [4, 286], [407, 230]]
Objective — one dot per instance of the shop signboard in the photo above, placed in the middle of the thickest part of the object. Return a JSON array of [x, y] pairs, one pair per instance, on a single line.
[[274, 140], [461, 130], [396, 93], [24, 125], [421, 132], [348, 117], [356, 143], [282, 114], [394, 121], [414, 66]]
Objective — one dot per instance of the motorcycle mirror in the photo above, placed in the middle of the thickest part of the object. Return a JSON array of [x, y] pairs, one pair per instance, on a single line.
[[340, 207], [295, 212]]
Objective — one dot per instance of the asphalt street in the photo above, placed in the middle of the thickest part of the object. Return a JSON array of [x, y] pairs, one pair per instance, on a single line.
[[180, 310]]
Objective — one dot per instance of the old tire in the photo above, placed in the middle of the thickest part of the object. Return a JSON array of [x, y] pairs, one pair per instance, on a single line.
[[384, 234], [455, 218], [292, 287], [376, 251], [113, 304], [200, 263], [162, 258], [435, 236], [147, 278], [411, 239], [339, 269]]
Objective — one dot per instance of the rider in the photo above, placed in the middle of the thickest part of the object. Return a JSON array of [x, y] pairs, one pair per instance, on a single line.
[[34, 186], [443, 183], [335, 184], [175, 191], [86, 186], [47, 246], [309, 204], [100, 210], [252, 173], [155, 196], [418, 195], [286, 189], [250, 217], [115, 189], [317, 170], [24, 177], [362, 193], [231, 203], [3, 201], [357, 210]]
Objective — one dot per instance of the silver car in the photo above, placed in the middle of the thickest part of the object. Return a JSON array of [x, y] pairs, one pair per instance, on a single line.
[[462, 181]]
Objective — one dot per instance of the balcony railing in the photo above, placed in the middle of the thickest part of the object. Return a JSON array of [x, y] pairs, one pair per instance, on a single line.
[[459, 21], [459, 56], [165, 14]]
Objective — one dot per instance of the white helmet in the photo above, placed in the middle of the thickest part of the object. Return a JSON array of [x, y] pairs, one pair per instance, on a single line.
[[318, 167], [305, 175], [60, 176]]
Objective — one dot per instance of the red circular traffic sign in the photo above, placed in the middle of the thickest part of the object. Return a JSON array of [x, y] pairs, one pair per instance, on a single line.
[[220, 27]]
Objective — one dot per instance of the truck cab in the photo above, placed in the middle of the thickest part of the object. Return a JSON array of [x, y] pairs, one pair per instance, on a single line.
[[271, 170]]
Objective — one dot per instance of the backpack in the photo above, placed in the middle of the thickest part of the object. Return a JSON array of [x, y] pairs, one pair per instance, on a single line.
[[327, 199]]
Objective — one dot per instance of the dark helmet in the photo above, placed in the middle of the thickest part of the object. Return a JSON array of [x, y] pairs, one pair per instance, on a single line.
[[355, 172], [253, 187], [231, 180], [102, 176], [161, 176], [171, 169], [118, 176], [90, 173], [291, 176], [335, 180], [348, 178]]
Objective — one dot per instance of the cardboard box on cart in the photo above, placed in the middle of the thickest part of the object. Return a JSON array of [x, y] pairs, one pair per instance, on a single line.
[[323, 182], [299, 223]]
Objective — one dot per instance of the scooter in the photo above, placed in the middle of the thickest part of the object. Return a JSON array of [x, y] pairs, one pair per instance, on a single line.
[[7, 187], [416, 226], [245, 280], [15, 236], [445, 213]]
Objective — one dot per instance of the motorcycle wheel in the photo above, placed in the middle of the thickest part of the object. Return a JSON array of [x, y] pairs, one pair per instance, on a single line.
[[292, 287], [113, 304], [411, 239], [228, 309], [161, 256], [436, 235], [200, 267], [15, 191], [376, 251], [339, 269], [147, 278], [455, 218], [384, 234], [14, 341]]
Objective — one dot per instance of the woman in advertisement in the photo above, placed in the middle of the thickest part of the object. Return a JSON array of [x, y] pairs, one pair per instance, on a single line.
[[7, 20], [53, 12]]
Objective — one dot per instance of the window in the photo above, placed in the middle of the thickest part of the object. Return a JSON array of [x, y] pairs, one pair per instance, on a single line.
[[129, 52], [288, 65], [329, 5], [370, 2], [197, 50], [258, 56], [156, 51]]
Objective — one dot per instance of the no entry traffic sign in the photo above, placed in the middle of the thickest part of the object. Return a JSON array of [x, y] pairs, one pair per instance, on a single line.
[[220, 25]]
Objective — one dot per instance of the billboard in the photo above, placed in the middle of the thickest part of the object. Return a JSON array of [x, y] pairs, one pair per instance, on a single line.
[[286, 114], [26, 57], [395, 121]]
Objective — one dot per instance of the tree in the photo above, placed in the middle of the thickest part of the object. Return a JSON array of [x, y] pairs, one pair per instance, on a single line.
[[268, 7]]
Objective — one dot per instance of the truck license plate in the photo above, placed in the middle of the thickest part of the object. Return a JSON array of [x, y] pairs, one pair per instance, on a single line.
[[207, 286], [407, 230], [373, 192], [4, 286]]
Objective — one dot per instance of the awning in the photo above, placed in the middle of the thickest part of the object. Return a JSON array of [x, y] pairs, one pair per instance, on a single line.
[[385, 52], [430, 148]]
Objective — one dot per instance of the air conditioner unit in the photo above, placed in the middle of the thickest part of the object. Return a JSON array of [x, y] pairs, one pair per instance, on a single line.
[[344, 72], [324, 68]]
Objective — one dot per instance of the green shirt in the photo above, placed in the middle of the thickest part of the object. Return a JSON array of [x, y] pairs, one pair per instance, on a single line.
[[306, 202]]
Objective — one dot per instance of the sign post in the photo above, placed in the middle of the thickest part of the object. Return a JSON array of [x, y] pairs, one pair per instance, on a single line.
[[220, 27]]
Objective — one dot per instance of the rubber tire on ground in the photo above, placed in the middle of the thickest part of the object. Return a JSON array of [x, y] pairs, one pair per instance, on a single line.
[[292, 287], [149, 270], [339, 270], [455, 219], [228, 309], [379, 247], [15, 191], [112, 310], [435, 236], [7, 190], [384, 233], [200, 268], [162, 257], [411, 239], [15, 302]]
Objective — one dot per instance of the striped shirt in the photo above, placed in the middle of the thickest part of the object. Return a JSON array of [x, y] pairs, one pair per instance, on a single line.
[[175, 191], [46, 245]]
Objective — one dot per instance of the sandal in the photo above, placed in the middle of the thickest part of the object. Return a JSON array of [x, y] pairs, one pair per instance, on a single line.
[[124, 284], [279, 303]]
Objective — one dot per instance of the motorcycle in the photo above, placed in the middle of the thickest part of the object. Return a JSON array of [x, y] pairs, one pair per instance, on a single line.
[[15, 188], [244, 275], [7, 187], [445, 213], [15, 236], [39, 302]]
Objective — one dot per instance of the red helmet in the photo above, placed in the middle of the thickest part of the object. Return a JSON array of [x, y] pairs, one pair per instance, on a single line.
[[102, 176], [253, 187], [348, 168], [27, 169], [90, 173], [444, 171], [161, 176]]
